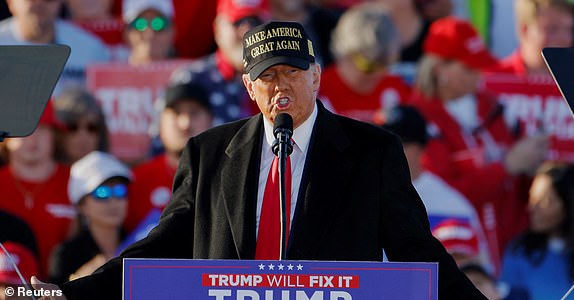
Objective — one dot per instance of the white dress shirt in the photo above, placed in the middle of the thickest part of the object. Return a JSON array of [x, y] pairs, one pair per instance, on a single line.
[[301, 137]]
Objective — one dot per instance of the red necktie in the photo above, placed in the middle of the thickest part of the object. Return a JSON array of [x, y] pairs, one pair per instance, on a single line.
[[268, 240]]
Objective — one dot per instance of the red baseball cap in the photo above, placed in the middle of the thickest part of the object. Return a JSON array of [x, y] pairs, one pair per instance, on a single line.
[[457, 237], [49, 118], [22, 257], [236, 10], [455, 38]]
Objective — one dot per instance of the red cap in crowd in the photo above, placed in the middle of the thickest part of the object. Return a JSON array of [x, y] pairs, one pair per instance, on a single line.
[[49, 118], [456, 39], [236, 10], [22, 257], [457, 237]]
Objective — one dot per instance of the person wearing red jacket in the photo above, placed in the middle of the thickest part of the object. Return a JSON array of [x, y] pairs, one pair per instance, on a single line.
[[365, 43], [539, 24], [473, 149], [34, 185]]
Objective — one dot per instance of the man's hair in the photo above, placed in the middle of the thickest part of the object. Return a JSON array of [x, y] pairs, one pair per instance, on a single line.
[[366, 29], [426, 81], [527, 10]]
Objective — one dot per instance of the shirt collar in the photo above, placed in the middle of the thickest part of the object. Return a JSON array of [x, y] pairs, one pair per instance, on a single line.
[[301, 134]]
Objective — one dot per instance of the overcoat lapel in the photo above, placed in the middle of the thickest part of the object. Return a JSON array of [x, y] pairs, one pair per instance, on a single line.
[[240, 177], [324, 180]]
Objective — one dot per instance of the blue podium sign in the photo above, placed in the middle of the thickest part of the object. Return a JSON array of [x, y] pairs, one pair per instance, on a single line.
[[277, 280]]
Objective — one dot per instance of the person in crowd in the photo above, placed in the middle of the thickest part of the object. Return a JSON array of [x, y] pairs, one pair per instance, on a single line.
[[318, 21], [37, 22], [149, 32], [412, 28], [186, 112], [365, 43], [460, 240], [474, 149], [353, 170], [541, 259], [86, 129], [220, 73], [34, 184], [539, 24], [97, 17], [98, 188], [24, 260], [443, 203]]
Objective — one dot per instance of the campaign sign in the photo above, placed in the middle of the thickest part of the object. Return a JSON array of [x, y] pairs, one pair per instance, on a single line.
[[127, 95], [277, 280], [536, 102]]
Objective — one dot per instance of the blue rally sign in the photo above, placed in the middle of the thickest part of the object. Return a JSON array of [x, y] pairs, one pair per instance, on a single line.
[[277, 280]]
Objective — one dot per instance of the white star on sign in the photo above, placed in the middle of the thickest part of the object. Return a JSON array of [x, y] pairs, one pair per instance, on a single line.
[[261, 267], [290, 267], [271, 267], [281, 267], [299, 267]]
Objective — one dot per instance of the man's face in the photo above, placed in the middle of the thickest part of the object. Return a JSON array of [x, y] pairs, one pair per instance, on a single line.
[[148, 43], [38, 12], [187, 118], [552, 28], [285, 89], [33, 149]]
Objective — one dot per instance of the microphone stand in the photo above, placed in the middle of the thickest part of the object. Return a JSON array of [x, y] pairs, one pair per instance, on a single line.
[[285, 148]]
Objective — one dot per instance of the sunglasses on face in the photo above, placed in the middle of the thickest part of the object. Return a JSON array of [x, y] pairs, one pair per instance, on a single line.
[[89, 127], [156, 24], [365, 65], [105, 192]]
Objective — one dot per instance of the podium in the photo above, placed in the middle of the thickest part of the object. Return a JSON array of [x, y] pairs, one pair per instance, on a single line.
[[174, 279]]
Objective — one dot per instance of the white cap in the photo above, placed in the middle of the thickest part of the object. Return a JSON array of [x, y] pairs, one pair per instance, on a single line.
[[131, 9], [91, 171]]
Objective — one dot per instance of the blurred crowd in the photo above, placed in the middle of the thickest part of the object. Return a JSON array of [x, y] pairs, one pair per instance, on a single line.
[[495, 199]]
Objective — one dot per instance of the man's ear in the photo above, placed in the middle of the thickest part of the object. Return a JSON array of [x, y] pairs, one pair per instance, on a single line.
[[316, 77], [522, 31], [248, 86]]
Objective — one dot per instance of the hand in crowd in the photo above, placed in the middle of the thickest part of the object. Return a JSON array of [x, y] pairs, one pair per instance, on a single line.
[[89, 267], [527, 155], [39, 285]]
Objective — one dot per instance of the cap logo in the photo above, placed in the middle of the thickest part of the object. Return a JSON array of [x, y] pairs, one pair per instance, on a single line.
[[474, 45], [310, 46], [271, 33], [276, 43], [454, 232]]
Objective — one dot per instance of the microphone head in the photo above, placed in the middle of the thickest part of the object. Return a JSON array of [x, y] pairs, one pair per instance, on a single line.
[[283, 121]]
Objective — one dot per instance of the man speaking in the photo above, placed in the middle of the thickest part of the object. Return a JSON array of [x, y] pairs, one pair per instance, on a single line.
[[350, 193]]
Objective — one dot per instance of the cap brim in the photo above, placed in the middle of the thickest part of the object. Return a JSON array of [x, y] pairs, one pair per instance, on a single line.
[[297, 62], [9, 278], [481, 61]]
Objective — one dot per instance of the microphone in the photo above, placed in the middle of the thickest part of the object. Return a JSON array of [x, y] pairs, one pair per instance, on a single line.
[[283, 130], [282, 148]]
